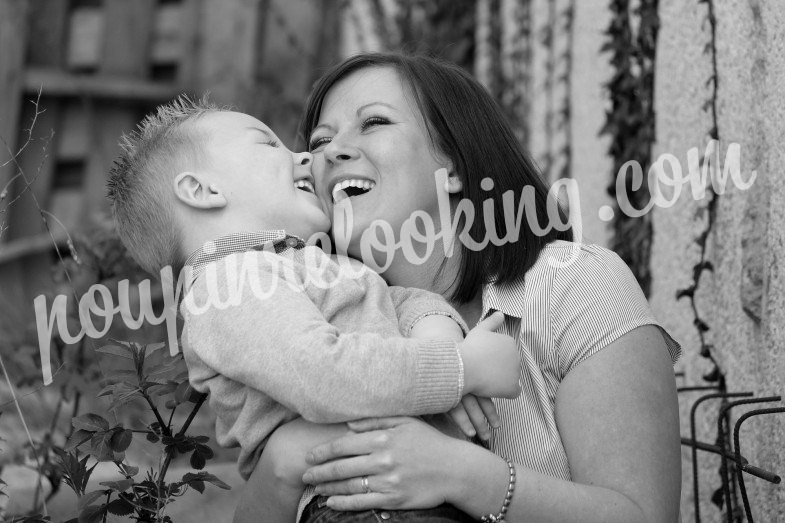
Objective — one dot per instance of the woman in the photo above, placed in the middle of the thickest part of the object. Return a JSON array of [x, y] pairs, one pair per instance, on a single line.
[[594, 435]]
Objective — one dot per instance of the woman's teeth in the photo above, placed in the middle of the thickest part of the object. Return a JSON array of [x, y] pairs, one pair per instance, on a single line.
[[304, 185], [349, 188]]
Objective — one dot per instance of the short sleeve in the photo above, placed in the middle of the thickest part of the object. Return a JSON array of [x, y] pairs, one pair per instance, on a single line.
[[596, 300]]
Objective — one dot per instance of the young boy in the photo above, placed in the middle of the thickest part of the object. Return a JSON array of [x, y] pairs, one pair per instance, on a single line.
[[307, 334]]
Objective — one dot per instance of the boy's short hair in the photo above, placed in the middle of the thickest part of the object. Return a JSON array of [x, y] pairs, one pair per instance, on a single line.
[[140, 182]]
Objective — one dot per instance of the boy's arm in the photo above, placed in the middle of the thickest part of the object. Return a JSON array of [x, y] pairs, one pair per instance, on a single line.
[[413, 306], [280, 343], [275, 487]]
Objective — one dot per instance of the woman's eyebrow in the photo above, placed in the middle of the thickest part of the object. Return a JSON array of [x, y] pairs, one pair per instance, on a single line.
[[360, 109]]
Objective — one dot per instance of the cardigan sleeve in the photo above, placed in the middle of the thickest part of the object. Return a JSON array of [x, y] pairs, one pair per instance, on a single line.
[[270, 336]]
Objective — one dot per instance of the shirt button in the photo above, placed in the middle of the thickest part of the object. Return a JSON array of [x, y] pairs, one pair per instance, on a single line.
[[291, 242], [385, 515]]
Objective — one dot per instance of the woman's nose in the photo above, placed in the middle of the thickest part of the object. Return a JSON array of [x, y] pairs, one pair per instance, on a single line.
[[303, 158], [338, 151]]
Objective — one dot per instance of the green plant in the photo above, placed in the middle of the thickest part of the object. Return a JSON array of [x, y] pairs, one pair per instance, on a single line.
[[150, 376]]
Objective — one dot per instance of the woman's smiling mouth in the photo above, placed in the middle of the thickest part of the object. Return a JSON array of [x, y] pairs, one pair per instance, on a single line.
[[351, 187]]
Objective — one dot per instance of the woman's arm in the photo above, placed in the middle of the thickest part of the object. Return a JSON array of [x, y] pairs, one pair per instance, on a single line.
[[618, 419]]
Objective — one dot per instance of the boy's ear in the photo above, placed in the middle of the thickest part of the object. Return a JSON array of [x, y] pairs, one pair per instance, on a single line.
[[195, 191]]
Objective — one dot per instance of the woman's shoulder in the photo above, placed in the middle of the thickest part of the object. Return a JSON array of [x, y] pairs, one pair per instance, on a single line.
[[586, 262], [593, 297]]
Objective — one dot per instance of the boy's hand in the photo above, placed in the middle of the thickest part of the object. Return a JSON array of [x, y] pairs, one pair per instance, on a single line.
[[473, 415], [491, 362]]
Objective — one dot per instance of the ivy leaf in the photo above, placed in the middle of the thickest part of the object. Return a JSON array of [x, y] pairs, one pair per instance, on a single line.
[[197, 486], [92, 514], [91, 422], [128, 470], [120, 485], [713, 376], [121, 440], [120, 507], [685, 293], [718, 497], [77, 438], [183, 392], [90, 497], [205, 476], [197, 460]]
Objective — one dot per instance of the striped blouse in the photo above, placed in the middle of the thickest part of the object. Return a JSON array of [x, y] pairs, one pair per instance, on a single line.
[[574, 301]]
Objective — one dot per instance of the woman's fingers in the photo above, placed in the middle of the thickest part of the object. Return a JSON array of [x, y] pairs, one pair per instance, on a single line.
[[343, 469], [369, 424], [349, 445], [346, 487]]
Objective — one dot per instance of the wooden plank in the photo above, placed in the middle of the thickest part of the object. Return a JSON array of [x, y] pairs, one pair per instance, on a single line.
[[109, 123], [228, 61], [13, 34], [125, 53], [21, 248], [167, 38], [74, 132], [111, 87], [86, 28], [48, 22], [190, 25], [126, 40]]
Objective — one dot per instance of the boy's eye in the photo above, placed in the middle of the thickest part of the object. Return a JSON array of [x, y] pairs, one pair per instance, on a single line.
[[374, 120], [316, 143]]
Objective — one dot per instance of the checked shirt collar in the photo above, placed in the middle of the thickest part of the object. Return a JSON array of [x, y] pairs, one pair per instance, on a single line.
[[214, 250]]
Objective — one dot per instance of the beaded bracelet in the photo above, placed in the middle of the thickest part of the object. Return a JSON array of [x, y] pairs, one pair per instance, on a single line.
[[490, 518]]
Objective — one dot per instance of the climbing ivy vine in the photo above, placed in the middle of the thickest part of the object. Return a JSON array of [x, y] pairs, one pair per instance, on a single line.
[[630, 123]]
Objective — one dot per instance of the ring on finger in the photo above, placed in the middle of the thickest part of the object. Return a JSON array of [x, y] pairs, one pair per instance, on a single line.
[[364, 483]]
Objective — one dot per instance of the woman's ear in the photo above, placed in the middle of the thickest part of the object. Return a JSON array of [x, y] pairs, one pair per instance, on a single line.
[[195, 191], [453, 184]]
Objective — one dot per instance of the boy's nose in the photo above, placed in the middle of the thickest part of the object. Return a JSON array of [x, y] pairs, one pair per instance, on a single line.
[[303, 158]]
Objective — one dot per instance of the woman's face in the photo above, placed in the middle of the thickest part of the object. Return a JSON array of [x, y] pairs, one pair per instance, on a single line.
[[371, 141]]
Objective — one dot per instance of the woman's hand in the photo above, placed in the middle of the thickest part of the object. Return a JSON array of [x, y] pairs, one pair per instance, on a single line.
[[408, 464]]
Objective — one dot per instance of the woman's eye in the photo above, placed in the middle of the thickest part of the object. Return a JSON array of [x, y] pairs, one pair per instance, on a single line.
[[318, 142], [272, 143], [374, 120]]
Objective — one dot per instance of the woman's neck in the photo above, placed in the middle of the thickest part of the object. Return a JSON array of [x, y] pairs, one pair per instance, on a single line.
[[428, 275], [471, 310]]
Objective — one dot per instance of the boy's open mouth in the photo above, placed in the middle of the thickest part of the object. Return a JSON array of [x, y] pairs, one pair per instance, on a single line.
[[351, 187], [304, 185]]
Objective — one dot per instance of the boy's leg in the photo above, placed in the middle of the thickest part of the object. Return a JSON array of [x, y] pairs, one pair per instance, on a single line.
[[275, 486], [317, 512]]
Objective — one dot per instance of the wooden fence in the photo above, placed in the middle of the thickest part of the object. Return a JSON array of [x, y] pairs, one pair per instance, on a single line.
[[98, 67]]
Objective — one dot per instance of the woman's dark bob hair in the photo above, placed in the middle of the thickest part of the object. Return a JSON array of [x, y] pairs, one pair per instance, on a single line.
[[466, 125]]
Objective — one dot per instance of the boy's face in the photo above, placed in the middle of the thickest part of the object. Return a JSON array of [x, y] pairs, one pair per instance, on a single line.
[[266, 185]]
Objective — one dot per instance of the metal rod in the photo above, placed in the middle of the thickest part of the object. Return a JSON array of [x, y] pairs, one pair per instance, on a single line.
[[740, 460], [774, 478], [693, 409], [723, 420], [700, 387]]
